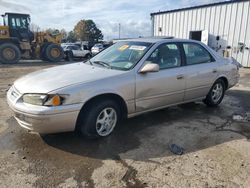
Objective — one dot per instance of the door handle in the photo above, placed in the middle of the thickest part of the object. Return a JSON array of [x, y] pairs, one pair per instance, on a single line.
[[214, 71], [179, 77]]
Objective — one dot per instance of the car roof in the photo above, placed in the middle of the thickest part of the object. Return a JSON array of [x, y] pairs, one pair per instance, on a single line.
[[160, 39], [71, 45]]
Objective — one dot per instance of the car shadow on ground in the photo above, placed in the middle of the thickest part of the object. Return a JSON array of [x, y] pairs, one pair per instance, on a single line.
[[192, 126]]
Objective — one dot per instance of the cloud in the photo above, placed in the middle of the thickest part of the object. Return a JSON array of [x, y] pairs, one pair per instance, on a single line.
[[12, 6], [134, 16]]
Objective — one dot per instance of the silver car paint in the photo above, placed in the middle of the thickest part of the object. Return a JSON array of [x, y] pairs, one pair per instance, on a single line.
[[47, 80], [141, 92]]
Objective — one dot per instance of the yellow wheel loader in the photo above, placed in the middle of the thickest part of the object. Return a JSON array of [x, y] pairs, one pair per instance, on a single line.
[[17, 41]]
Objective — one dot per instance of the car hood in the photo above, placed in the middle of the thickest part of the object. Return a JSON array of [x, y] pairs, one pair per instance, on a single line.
[[50, 79]]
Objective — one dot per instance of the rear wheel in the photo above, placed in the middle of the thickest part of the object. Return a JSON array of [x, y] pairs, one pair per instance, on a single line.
[[99, 119], [216, 94], [88, 56], [53, 53], [69, 56], [9, 53]]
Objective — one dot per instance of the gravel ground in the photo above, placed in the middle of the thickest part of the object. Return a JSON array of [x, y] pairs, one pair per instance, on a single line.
[[216, 143]]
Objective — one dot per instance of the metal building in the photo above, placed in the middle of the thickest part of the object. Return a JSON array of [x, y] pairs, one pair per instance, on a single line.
[[224, 26]]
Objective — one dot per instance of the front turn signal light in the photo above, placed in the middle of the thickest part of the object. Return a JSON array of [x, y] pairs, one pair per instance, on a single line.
[[56, 100]]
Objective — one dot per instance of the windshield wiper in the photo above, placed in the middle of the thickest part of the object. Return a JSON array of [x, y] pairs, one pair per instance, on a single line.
[[104, 64], [88, 61]]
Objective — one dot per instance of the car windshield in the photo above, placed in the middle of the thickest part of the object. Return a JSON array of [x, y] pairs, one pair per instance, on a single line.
[[98, 45], [122, 55]]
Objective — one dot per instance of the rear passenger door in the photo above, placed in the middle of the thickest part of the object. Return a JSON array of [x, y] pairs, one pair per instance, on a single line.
[[200, 71], [85, 51]]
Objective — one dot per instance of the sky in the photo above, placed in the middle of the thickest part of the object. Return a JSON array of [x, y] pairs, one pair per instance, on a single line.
[[133, 15]]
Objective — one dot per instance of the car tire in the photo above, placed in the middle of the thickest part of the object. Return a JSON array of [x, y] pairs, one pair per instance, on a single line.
[[99, 118], [216, 94], [9, 53], [88, 56], [69, 56], [42, 51], [53, 53]]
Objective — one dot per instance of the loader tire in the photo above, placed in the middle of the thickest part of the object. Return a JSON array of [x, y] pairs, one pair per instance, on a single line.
[[9, 53], [42, 52], [53, 53]]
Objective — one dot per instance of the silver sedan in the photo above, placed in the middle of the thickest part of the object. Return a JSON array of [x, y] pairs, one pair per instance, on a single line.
[[127, 79]]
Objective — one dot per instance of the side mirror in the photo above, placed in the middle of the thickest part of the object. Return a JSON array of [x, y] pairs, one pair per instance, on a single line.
[[150, 67]]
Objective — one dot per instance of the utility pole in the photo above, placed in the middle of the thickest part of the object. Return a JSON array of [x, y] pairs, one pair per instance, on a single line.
[[119, 28]]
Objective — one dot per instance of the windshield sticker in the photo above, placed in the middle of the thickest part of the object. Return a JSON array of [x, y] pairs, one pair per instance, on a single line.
[[140, 48], [123, 47]]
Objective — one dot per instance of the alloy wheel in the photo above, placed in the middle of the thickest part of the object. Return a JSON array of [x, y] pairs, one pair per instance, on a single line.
[[106, 121], [217, 92]]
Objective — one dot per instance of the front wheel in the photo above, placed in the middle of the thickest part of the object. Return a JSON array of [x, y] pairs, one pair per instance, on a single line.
[[99, 119], [216, 94], [9, 53]]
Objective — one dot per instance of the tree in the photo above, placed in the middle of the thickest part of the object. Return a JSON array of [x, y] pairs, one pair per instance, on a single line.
[[52, 31], [71, 37], [86, 30], [64, 34], [34, 27]]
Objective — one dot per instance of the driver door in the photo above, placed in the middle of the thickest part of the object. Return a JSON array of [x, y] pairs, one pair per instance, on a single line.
[[76, 51], [166, 87]]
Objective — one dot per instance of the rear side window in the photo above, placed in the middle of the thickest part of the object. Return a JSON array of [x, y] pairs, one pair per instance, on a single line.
[[196, 54]]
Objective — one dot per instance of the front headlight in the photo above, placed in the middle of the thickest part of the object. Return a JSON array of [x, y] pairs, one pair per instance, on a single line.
[[43, 99]]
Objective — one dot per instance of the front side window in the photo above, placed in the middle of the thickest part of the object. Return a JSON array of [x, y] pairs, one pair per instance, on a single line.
[[75, 48], [13, 23], [69, 47], [166, 56], [122, 55], [196, 54], [20, 22], [24, 23]]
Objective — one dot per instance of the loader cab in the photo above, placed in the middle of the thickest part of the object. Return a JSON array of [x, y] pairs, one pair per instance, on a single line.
[[18, 26]]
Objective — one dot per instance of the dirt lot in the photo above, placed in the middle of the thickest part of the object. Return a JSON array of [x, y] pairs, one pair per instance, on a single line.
[[216, 143]]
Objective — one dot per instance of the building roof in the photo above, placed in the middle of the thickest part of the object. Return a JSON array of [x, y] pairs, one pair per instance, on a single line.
[[199, 6]]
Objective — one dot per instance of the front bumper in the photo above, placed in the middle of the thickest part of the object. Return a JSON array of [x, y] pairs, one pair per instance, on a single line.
[[45, 124], [43, 119]]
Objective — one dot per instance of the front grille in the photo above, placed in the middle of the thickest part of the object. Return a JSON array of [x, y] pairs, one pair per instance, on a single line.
[[14, 93]]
